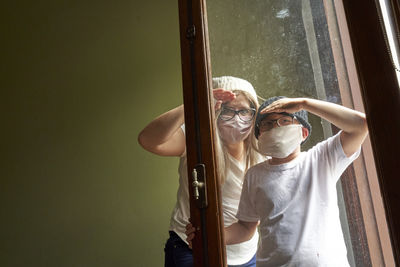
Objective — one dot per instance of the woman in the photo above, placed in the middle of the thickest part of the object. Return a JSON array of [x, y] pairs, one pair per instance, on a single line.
[[236, 105]]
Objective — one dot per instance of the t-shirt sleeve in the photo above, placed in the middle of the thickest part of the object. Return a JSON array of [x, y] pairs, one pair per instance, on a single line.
[[247, 210], [331, 151]]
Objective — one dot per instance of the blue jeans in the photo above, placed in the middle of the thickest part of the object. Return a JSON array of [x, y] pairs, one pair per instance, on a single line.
[[178, 254]]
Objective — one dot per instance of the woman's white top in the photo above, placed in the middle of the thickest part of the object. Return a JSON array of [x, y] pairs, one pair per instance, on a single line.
[[231, 190]]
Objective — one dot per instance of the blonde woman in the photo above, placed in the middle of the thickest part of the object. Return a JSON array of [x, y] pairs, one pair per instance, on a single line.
[[236, 104]]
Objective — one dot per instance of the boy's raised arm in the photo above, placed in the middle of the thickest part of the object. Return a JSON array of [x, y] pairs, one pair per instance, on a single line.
[[352, 123]]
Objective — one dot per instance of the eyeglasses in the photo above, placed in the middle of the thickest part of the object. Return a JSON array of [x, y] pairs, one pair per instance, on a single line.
[[244, 114], [266, 125]]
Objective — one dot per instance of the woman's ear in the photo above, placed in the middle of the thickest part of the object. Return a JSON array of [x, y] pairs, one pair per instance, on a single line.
[[305, 133]]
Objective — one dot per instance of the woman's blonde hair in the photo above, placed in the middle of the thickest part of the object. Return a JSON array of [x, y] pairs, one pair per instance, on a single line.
[[252, 157]]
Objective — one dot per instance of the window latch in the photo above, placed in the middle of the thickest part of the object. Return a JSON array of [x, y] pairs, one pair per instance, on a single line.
[[199, 186]]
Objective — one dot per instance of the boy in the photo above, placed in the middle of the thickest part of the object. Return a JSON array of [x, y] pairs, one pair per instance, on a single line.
[[292, 195]]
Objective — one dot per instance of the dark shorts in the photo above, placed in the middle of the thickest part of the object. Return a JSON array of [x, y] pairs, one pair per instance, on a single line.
[[178, 254]]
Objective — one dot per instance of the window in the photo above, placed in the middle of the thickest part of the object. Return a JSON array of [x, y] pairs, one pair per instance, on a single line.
[[301, 48], [306, 48]]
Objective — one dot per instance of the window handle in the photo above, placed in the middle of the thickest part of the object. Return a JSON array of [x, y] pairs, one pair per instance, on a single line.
[[199, 186]]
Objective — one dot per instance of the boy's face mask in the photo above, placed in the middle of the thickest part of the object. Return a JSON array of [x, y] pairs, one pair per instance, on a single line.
[[280, 142], [234, 130]]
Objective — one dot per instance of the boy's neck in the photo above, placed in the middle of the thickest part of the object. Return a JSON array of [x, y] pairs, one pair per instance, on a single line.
[[278, 161]]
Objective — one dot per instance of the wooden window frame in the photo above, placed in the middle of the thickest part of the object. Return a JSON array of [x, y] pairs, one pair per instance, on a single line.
[[381, 99], [208, 244], [370, 236], [374, 88]]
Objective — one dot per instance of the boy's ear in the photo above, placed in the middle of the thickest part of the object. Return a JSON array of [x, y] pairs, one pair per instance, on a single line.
[[305, 133]]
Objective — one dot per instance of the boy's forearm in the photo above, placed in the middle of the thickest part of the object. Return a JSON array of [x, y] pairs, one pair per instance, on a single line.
[[344, 118], [352, 123], [239, 232]]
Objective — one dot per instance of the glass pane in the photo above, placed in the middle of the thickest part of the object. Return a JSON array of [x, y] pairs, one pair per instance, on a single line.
[[283, 47], [390, 34]]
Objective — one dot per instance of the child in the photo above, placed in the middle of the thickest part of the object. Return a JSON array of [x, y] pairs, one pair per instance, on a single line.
[[236, 105], [292, 195]]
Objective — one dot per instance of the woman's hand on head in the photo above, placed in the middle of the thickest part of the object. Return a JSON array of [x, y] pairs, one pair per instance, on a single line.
[[288, 105], [190, 233], [222, 96]]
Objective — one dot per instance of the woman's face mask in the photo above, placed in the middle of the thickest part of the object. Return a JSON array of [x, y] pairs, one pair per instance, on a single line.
[[234, 130], [280, 142]]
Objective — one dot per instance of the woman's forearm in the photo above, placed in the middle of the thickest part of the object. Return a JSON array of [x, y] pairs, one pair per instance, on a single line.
[[163, 129]]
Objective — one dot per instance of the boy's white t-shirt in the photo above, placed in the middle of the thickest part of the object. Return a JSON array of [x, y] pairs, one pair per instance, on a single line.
[[231, 190], [297, 206]]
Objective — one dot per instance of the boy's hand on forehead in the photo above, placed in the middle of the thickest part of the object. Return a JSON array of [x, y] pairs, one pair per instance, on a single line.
[[288, 105], [222, 96]]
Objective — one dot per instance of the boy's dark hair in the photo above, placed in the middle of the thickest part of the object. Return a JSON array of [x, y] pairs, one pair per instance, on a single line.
[[301, 116]]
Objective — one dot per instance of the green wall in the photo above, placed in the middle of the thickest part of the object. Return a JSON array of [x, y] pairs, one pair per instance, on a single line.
[[79, 80]]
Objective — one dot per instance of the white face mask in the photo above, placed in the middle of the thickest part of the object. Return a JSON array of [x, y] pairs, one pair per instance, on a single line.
[[234, 130], [280, 142]]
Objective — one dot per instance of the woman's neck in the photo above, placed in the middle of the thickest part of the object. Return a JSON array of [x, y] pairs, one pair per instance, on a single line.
[[236, 150]]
